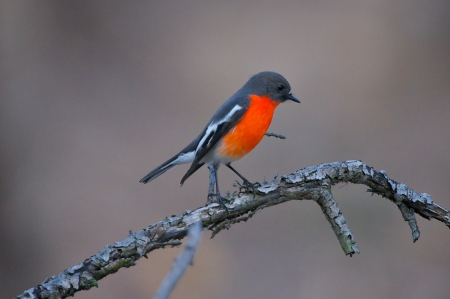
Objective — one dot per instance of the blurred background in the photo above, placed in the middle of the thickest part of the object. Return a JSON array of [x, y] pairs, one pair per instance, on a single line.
[[95, 94]]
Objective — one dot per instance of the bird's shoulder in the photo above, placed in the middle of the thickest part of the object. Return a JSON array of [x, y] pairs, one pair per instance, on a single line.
[[232, 109]]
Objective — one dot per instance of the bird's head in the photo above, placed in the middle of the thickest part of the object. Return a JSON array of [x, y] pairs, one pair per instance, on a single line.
[[271, 84]]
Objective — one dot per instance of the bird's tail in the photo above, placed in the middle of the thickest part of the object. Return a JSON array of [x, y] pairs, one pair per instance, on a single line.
[[181, 158], [185, 156], [158, 171]]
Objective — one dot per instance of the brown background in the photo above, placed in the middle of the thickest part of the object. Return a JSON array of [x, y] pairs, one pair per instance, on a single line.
[[94, 94]]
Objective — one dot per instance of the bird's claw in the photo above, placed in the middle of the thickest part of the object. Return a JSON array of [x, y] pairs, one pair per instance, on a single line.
[[219, 198], [246, 185], [210, 198]]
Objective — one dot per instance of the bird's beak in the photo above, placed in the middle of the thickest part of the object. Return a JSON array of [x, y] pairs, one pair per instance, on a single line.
[[292, 98]]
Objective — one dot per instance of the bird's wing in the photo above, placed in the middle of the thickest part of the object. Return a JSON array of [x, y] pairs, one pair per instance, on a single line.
[[226, 117]]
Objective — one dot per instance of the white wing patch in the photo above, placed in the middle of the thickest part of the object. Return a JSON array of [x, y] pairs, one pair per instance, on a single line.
[[213, 126], [230, 114]]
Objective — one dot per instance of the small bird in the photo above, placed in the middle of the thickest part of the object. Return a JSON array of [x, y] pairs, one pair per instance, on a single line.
[[234, 130]]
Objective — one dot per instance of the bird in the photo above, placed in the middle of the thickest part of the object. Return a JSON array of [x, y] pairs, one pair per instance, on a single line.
[[233, 131]]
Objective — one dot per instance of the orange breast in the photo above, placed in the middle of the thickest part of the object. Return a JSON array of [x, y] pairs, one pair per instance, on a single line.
[[250, 129]]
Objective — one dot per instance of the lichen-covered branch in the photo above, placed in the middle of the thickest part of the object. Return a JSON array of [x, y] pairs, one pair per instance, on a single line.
[[311, 183], [337, 221]]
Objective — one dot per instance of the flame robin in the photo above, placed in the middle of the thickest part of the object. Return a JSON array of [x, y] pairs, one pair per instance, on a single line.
[[234, 130]]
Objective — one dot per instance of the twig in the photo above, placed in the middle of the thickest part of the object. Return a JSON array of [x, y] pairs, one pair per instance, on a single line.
[[276, 135], [181, 263], [311, 183]]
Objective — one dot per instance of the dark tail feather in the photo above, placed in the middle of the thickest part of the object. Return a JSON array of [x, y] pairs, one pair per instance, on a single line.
[[191, 171], [159, 170], [185, 156]]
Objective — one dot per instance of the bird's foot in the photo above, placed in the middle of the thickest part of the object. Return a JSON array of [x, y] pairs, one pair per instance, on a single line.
[[220, 200], [210, 199], [246, 185]]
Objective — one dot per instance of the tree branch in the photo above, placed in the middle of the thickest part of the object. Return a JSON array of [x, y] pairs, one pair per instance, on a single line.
[[311, 183]]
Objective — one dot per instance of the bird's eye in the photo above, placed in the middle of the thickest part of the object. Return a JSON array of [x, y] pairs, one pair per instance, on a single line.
[[280, 87]]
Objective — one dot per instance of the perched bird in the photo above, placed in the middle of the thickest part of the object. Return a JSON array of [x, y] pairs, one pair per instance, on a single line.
[[234, 130]]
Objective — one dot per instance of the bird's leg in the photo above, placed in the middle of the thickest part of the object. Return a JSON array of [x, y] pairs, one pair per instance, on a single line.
[[212, 183], [213, 177], [218, 196], [246, 182]]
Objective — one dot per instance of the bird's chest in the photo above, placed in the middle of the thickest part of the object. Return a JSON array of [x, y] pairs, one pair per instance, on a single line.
[[249, 131]]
